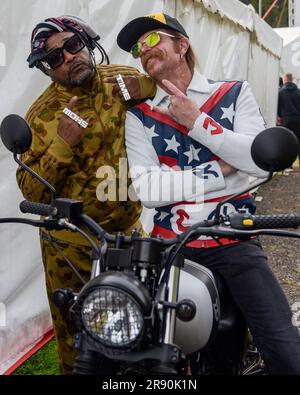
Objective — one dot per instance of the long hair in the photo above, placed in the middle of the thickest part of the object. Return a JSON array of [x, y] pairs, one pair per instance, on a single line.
[[190, 56]]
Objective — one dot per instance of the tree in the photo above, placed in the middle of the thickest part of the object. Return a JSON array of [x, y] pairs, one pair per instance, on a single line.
[[278, 17]]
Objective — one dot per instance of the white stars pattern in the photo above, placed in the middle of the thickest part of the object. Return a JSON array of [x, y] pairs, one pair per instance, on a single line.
[[151, 132], [192, 154], [228, 112], [163, 215], [172, 145]]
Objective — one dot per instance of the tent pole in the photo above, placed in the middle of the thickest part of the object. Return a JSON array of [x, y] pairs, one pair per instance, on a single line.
[[260, 8], [281, 14]]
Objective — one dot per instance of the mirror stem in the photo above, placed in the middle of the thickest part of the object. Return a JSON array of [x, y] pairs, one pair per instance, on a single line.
[[35, 175], [232, 197]]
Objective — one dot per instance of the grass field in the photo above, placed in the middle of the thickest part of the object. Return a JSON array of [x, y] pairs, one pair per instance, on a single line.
[[44, 362]]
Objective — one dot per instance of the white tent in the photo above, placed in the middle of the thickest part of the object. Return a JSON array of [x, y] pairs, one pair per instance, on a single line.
[[290, 58], [231, 42]]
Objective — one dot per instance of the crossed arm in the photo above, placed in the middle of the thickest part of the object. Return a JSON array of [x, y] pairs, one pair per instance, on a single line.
[[234, 149]]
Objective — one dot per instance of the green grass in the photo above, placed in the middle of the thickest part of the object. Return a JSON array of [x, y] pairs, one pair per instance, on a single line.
[[44, 362]]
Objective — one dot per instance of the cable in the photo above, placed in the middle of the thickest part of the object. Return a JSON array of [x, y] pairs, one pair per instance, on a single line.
[[54, 245]]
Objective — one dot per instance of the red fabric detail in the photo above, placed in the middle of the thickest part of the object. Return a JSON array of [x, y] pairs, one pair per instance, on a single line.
[[162, 118], [47, 337], [217, 127], [182, 216], [214, 157], [217, 96], [168, 160], [169, 234]]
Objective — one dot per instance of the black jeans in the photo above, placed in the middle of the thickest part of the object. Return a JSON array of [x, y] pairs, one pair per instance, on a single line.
[[257, 293]]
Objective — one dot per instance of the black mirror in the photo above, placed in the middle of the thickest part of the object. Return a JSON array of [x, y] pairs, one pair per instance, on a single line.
[[15, 134], [275, 149]]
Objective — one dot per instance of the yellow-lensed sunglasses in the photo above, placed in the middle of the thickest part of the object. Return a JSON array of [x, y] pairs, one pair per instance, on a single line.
[[151, 41]]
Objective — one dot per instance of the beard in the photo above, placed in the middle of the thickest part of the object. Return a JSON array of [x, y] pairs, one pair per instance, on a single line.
[[79, 74]]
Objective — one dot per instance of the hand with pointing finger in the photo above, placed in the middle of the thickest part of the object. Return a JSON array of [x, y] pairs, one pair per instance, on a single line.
[[182, 109], [68, 129]]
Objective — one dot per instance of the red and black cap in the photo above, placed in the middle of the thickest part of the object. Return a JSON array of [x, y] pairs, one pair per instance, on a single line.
[[131, 32], [46, 28]]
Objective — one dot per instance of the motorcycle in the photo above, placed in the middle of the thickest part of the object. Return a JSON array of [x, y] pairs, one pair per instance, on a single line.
[[146, 309]]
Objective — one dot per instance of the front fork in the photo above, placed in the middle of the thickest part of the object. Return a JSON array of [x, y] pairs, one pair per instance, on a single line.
[[171, 299], [170, 364]]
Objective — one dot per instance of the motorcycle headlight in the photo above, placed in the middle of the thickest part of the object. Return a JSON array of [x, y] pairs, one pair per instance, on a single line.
[[112, 316], [112, 309]]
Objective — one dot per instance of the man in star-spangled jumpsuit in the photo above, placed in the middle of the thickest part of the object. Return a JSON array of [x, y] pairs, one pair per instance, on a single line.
[[188, 149]]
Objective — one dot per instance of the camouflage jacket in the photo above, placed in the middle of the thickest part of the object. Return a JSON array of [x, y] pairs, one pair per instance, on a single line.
[[76, 172]]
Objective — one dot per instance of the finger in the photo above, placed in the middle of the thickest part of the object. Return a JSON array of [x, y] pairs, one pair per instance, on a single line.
[[162, 110], [116, 89], [110, 80], [127, 79], [172, 89], [72, 102]]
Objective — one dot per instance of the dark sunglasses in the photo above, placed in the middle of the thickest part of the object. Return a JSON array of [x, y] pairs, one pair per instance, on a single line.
[[55, 58]]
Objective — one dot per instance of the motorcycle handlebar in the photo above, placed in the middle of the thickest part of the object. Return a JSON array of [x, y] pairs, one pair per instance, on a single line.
[[247, 221], [96, 228], [276, 221], [237, 220], [45, 210], [260, 224]]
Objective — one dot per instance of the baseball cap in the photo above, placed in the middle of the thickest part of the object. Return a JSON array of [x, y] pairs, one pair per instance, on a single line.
[[131, 32]]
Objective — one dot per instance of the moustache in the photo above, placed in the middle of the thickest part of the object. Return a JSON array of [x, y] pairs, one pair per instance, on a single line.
[[77, 63], [155, 53]]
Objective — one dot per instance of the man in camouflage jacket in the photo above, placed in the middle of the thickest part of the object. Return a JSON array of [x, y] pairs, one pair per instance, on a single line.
[[69, 156]]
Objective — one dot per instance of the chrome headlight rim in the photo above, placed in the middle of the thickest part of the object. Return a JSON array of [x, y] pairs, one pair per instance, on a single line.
[[110, 344], [123, 282]]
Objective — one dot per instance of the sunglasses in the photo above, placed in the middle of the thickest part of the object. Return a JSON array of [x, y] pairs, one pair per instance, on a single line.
[[56, 58], [151, 41]]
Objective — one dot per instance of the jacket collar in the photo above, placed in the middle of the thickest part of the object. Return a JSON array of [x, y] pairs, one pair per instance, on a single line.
[[199, 84]]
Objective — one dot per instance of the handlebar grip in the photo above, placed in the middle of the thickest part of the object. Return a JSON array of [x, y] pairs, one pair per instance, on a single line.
[[275, 221], [28, 207]]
